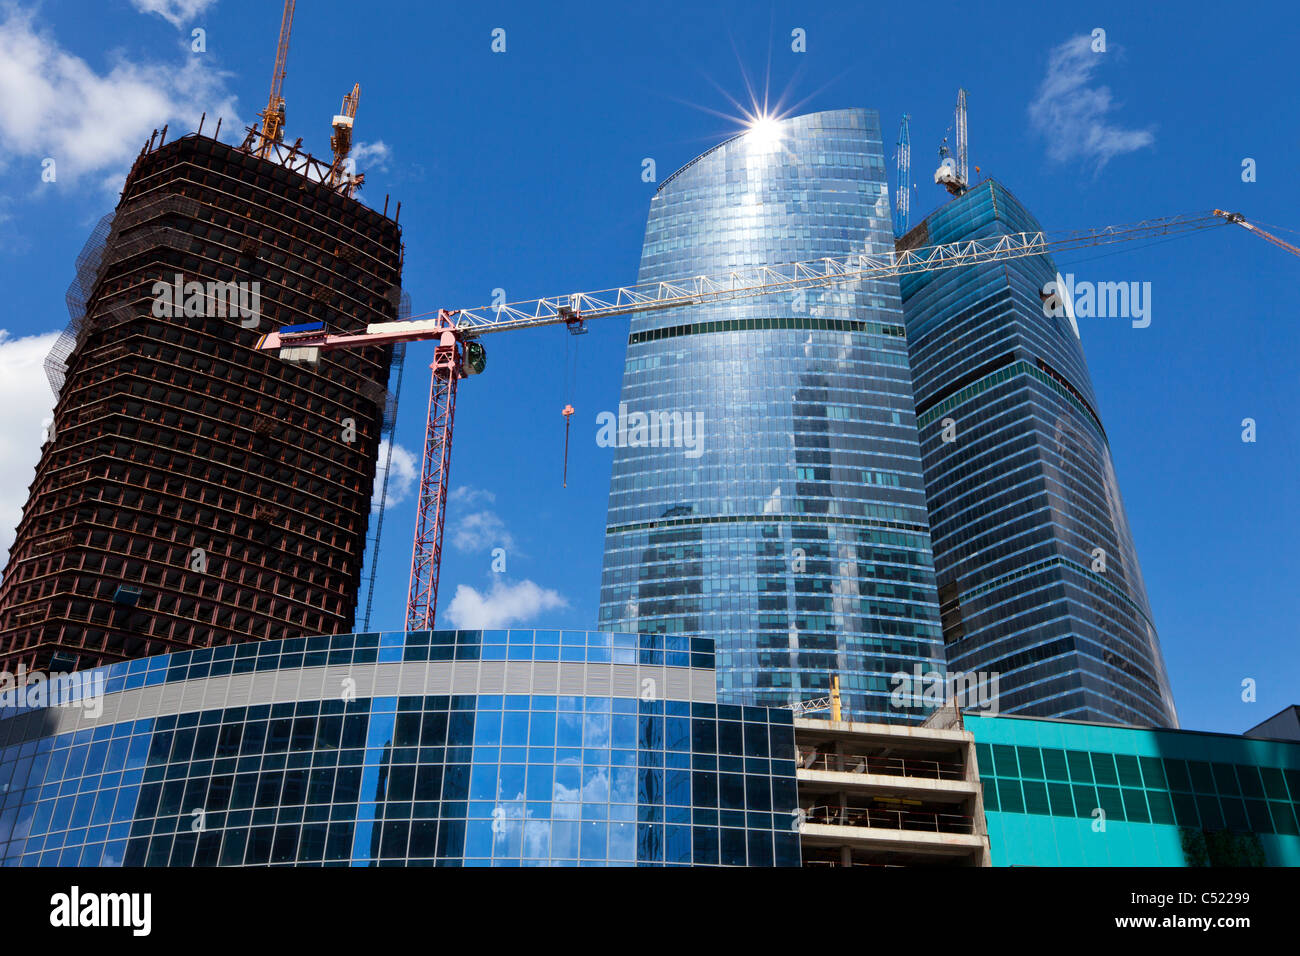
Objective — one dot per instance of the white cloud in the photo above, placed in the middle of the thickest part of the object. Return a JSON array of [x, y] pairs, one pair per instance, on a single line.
[[481, 530], [54, 104], [503, 605], [11, 240], [371, 156], [1073, 116], [175, 12], [403, 479], [468, 495], [28, 401], [478, 530]]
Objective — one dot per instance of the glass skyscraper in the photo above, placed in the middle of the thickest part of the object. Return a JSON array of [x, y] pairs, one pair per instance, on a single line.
[[790, 525], [1038, 577]]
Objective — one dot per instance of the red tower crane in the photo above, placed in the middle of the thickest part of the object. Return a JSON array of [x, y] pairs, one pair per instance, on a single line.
[[458, 353]]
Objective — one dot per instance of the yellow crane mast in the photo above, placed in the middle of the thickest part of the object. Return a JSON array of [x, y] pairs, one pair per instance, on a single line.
[[341, 143], [273, 115]]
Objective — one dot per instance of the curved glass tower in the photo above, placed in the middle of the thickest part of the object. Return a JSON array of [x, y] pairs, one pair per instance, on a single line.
[[767, 487], [421, 748], [1038, 577]]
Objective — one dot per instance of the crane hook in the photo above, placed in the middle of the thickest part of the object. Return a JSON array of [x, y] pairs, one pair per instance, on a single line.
[[567, 413]]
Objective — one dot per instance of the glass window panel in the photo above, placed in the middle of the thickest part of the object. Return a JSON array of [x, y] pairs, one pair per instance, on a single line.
[[1085, 800], [1054, 766], [1135, 806], [1129, 774], [1080, 766], [1202, 777], [1153, 773], [1177, 775], [1162, 808], [1036, 797], [990, 794], [1103, 768], [1010, 797], [1225, 779], [1031, 764], [1061, 799]]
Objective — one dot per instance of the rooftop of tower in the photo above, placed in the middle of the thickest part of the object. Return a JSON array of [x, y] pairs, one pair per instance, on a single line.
[[295, 160], [745, 132]]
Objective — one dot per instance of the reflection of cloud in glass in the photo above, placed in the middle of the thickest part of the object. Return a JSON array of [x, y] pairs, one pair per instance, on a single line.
[[566, 811], [518, 832], [511, 784], [622, 841], [568, 732], [595, 787], [568, 781], [596, 730], [624, 788], [564, 839], [537, 839]]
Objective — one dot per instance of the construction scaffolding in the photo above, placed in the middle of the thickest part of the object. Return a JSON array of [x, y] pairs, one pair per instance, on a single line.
[[78, 294]]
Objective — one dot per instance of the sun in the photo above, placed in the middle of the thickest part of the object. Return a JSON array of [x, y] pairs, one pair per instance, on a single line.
[[764, 131]]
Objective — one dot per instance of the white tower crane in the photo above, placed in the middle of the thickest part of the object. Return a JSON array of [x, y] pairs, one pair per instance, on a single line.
[[458, 352]]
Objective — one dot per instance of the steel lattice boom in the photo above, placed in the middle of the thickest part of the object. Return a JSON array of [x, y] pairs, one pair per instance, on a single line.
[[737, 284], [273, 115], [426, 557], [455, 328]]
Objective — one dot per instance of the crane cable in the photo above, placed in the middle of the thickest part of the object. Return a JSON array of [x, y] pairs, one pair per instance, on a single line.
[[570, 376]]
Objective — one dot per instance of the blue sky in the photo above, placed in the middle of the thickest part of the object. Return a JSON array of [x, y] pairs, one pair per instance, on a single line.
[[522, 170]]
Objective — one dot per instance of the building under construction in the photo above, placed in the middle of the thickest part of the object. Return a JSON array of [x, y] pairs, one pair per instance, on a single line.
[[195, 491]]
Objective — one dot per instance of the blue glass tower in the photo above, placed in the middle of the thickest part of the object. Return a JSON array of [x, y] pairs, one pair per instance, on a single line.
[[1038, 577], [791, 528]]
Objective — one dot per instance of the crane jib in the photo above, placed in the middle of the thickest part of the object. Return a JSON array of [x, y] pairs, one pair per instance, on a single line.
[[455, 330]]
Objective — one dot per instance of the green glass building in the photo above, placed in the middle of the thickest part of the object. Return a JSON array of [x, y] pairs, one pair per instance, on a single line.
[[1066, 793]]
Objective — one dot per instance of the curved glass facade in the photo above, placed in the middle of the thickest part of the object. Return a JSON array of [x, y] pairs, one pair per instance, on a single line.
[[792, 529], [447, 748], [1023, 497]]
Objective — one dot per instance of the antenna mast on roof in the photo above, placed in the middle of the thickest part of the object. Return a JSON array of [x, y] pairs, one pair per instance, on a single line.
[[952, 172], [903, 198]]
